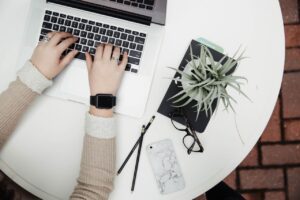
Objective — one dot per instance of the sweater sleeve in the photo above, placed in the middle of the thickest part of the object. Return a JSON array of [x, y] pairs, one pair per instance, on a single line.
[[97, 169], [18, 96]]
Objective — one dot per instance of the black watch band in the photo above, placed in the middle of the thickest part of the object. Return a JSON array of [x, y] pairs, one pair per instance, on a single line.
[[103, 101]]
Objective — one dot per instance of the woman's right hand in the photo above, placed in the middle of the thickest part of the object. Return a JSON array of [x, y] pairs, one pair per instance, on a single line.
[[105, 73]]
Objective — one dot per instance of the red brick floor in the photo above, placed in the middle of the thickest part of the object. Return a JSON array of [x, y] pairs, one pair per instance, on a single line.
[[272, 169]]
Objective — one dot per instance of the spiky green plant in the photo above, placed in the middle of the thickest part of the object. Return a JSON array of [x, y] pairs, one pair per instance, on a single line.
[[206, 81]]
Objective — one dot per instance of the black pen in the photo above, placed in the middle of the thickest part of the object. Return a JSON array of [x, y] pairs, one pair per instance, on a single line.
[[138, 158], [135, 146]]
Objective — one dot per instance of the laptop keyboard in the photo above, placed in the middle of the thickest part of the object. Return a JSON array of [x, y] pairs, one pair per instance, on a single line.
[[92, 33], [144, 4]]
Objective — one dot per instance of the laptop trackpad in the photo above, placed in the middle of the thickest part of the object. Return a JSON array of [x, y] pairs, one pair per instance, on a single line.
[[75, 82]]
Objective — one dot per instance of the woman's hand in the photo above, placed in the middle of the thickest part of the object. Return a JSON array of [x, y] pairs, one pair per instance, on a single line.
[[47, 56], [105, 73]]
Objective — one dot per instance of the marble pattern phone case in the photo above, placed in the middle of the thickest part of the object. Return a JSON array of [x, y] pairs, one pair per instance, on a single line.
[[165, 166]]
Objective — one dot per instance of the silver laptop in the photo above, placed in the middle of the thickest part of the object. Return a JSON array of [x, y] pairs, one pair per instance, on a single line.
[[136, 26]]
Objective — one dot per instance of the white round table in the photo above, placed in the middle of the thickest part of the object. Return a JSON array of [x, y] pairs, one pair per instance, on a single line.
[[43, 154]]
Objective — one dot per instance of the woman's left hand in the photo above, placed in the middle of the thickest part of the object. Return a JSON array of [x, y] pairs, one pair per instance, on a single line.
[[47, 56]]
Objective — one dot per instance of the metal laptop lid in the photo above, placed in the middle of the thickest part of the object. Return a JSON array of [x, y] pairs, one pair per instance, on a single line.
[[120, 9]]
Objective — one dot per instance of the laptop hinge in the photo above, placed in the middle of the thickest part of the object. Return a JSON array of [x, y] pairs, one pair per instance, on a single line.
[[104, 10]]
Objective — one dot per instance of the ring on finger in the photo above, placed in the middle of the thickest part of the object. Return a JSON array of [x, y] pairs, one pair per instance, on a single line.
[[115, 58], [46, 39]]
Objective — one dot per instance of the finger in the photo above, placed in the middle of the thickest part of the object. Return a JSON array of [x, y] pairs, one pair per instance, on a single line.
[[68, 58], [66, 43], [58, 37], [107, 52], [116, 54], [89, 61], [124, 61], [99, 52]]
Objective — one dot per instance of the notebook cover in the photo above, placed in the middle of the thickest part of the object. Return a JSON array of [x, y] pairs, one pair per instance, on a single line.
[[166, 105]]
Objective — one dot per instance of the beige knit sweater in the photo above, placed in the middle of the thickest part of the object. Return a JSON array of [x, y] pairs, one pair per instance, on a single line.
[[97, 169]]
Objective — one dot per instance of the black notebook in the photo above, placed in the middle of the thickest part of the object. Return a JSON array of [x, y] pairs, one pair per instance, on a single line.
[[166, 105]]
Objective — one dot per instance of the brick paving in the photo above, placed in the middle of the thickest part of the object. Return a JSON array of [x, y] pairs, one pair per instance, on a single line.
[[272, 169]]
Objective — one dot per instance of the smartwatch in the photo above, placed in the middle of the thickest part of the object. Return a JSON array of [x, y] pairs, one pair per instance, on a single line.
[[103, 101]]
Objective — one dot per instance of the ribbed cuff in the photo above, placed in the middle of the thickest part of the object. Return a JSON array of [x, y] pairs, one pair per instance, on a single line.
[[100, 127], [33, 79]]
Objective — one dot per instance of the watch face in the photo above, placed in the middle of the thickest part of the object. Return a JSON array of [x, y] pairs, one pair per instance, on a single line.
[[104, 101]]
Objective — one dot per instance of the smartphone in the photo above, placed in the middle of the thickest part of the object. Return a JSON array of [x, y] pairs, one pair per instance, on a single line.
[[165, 166]]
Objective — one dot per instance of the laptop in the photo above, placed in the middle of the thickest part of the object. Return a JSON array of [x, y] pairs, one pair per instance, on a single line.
[[136, 26]]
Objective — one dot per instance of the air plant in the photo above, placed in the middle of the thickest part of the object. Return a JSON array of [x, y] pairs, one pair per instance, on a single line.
[[205, 81]]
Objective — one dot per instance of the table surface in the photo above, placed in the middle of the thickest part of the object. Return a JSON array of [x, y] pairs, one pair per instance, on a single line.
[[43, 154]]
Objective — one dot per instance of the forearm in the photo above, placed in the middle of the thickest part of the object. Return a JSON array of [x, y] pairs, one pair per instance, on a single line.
[[16, 99], [97, 170]]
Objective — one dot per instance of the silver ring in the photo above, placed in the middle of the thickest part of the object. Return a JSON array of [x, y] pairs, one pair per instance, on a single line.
[[46, 39], [115, 58]]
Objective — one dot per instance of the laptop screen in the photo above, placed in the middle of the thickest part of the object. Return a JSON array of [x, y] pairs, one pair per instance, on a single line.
[[156, 9]]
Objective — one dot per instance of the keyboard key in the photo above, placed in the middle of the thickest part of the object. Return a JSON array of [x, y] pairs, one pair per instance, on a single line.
[[74, 24], [67, 22], [80, 56], [55, 14], [90, 35], [140, 1], [45, 31], [92, 22], [116, 34], [123, 36], [130, 38], [72, 46], [136, 54], [127, 2], [77, 19], [139, 40], [149, 2], [127, 68], [113, 27], [132, 45], [85, 49], [70, 17], [47, 25], [97, 44], [61, 21], [104, 39], [62, 29], [55, 27], [134, 61], [111, 40], [47, 18], [109, 33], [90, 43], [98, 24], [97, 37], [81, 26], [149, 8], [127, 31], [69, 30], [84, 20], [134, 4], [134, 70], [135, 33], [139, 47], [41, 37], [105, 25], [125, 50], [76, 32], [88, 27], [83, 41], [92, 50], [142, 6], [121, 29], [48, 12], [62, 15], [83, 34], [125, 44], [118, 42], [95, 29], [142, 34], [102, 31], [120, 1], [53, 19], [78, 47]]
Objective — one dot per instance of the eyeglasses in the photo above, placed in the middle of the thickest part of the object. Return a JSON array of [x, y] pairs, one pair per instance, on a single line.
[[190, 140]]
